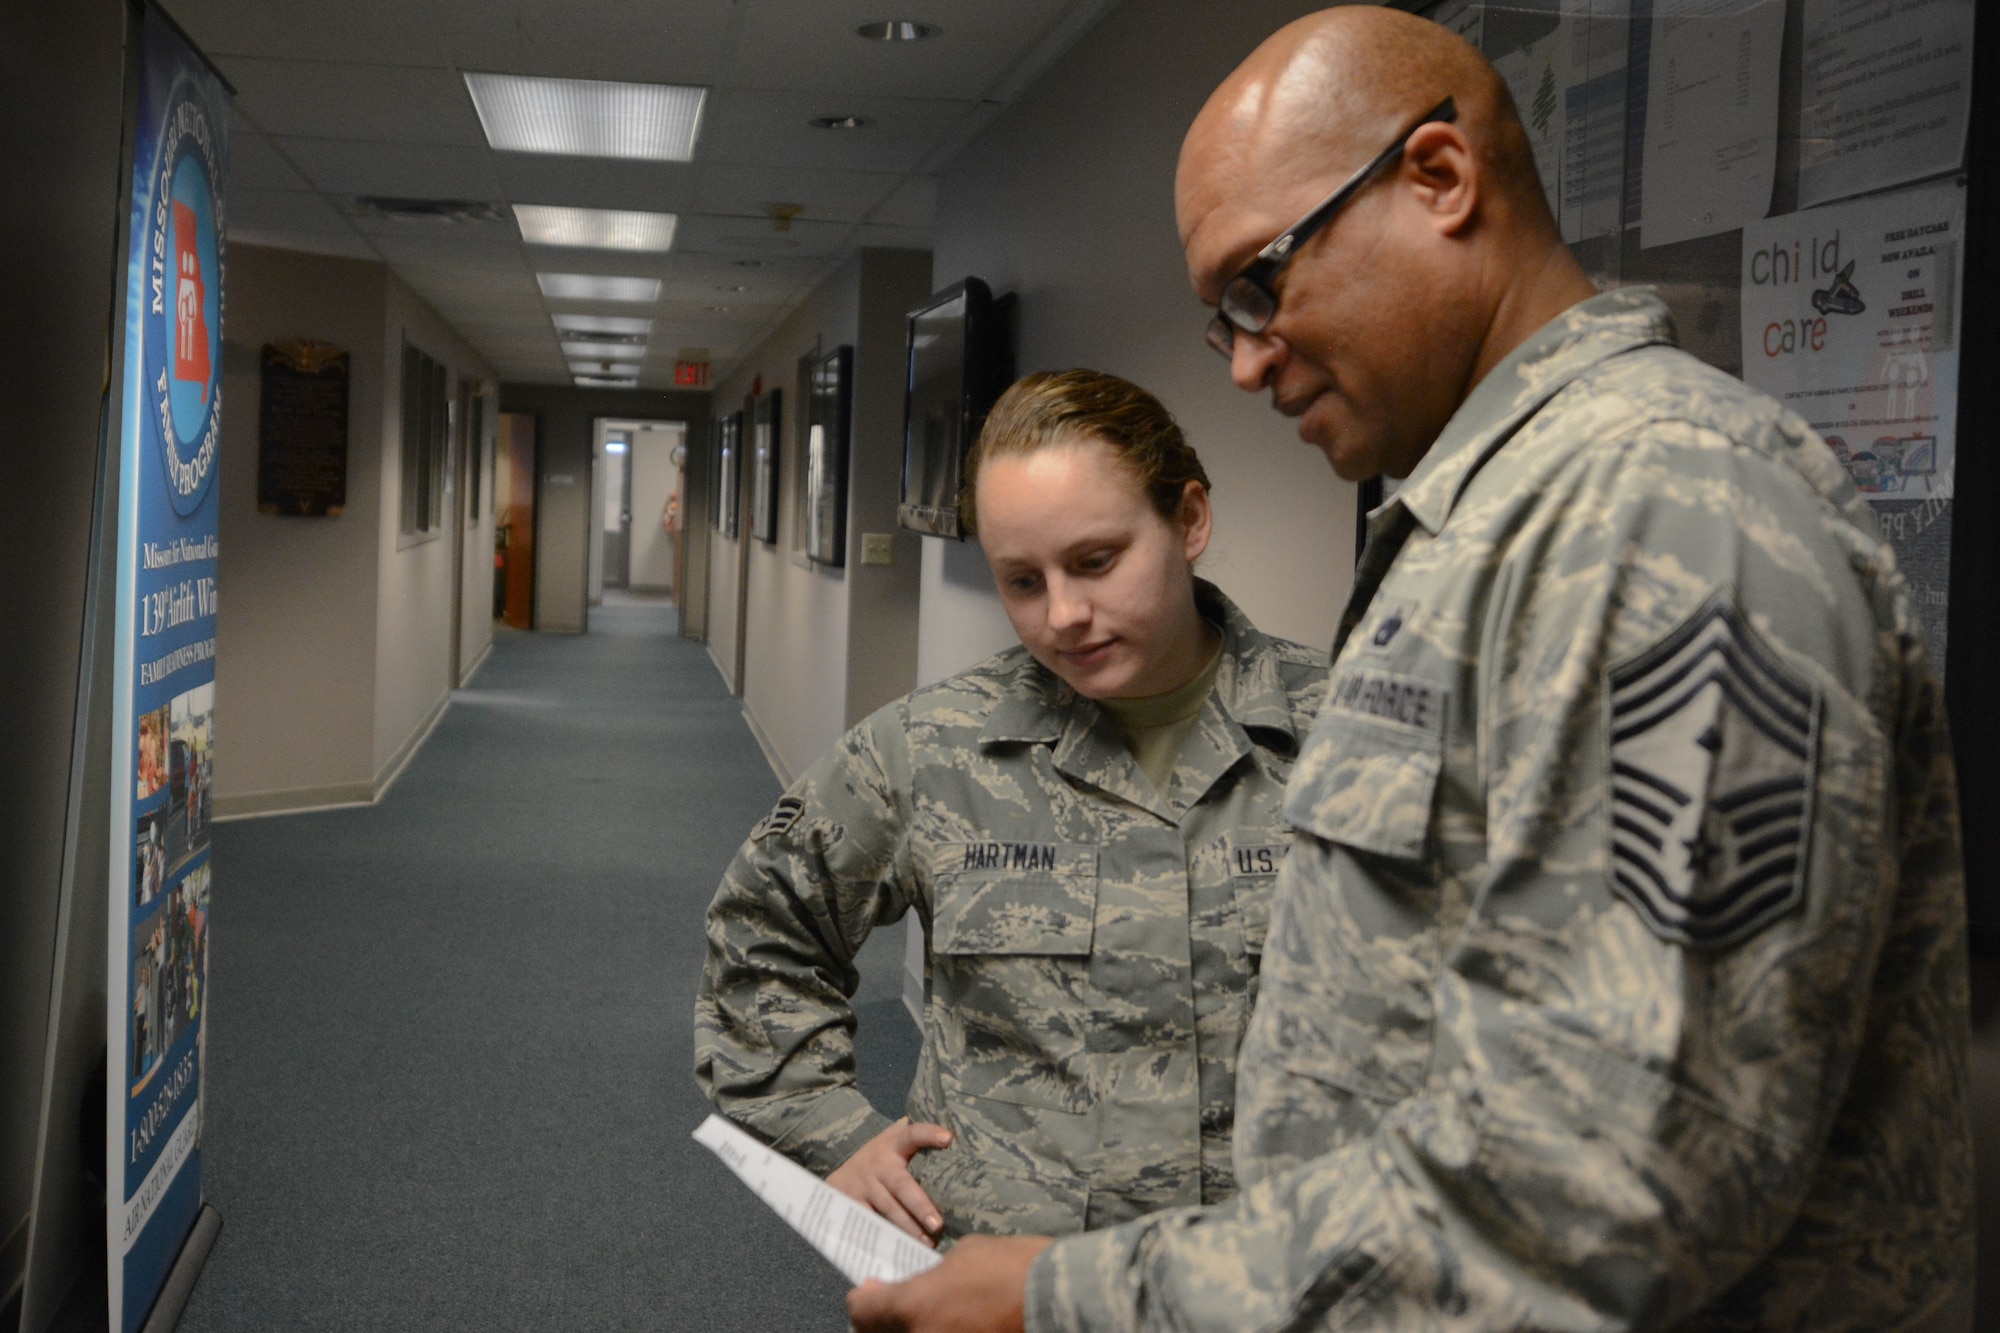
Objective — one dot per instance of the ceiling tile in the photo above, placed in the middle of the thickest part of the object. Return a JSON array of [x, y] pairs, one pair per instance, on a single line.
[[647, 41], [393, 32], [913, 204], [348, 246], [770, 129], [842, 196], [254, 164], [411, 171], [283, 211], [756, 238], [785, 44], [881, 237], [384, 103], [535, 178], [460, 252]]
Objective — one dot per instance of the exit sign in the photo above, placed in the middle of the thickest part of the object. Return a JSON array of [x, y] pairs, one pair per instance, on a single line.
[[691, 374]]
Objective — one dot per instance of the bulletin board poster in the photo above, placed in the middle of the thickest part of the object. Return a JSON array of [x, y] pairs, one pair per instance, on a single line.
[[163, 711]]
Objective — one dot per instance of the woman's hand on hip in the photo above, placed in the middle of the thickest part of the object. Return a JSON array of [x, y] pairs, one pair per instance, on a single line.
[[878, 1174]]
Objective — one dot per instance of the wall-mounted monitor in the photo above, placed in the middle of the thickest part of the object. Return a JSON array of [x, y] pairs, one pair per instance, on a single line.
[[960, 358]]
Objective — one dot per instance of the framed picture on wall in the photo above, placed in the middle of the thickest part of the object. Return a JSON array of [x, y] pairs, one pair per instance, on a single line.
[[801, 474], [765, 430], [728, 450], [828, 411]]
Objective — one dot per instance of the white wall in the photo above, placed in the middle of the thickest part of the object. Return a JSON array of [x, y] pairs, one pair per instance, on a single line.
[[295, 671], [413, 668], [333, 644], [824, 646], [1067, 200]]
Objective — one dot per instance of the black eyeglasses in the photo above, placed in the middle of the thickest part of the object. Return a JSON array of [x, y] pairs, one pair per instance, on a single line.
[[1248, 303]]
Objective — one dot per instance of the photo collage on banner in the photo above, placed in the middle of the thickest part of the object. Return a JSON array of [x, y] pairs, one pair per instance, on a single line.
[[1788, 174], [164, 715]]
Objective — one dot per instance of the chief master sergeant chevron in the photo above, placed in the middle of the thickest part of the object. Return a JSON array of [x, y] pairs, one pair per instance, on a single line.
[[1619, 981]]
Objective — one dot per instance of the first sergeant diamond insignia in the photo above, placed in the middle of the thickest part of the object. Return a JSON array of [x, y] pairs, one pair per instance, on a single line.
[[783, 815], [1714, 747]]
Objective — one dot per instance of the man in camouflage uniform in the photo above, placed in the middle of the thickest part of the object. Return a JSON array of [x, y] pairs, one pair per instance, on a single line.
[[1620, 981], [1093, 941]]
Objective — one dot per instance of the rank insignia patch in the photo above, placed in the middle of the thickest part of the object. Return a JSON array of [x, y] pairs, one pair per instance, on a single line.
[[1713, 752], [783, 815]]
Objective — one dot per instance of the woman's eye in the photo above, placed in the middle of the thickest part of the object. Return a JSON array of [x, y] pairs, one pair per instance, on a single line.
[[1095, 563], [1023, 584]]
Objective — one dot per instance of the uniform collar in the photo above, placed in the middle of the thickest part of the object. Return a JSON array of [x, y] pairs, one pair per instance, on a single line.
[[1561, 350], [1036, 706]]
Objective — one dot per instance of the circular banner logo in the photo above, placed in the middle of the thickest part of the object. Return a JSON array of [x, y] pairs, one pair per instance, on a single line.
[[184, 301]]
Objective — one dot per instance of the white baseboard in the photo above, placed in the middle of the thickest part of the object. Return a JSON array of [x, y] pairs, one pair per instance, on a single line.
[[337, 795], [472, 668], [770, 751]]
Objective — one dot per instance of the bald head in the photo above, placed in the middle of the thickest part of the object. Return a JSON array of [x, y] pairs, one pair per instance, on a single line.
[[1378, 324], [1323, 94]]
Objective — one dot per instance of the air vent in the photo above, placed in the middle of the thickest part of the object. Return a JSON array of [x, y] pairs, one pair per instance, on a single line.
[[430, 210]]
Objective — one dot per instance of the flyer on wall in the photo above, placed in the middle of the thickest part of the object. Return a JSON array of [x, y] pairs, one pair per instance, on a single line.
[[1886, 94], [1711, 135], [163, 715], [1850, 320]]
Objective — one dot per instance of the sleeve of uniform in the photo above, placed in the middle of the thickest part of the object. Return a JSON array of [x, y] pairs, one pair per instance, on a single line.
[[774, 1027], [1631, 1080]]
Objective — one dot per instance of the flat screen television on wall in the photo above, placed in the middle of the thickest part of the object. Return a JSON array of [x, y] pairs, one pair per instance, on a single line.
[[960, 358]]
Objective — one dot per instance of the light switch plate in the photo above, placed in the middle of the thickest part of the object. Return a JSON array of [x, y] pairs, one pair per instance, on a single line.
[[878, 548]]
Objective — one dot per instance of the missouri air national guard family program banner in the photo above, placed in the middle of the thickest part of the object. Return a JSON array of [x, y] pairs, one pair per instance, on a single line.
[[163, 712]]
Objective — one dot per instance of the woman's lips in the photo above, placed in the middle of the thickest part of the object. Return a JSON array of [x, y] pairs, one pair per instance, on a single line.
[[1090, 656]]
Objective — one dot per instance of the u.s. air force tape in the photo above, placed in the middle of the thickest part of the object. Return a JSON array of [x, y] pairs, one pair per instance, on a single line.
[[783, 815]]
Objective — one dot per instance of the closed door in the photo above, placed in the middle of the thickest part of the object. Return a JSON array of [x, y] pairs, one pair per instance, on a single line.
[[618, 511]]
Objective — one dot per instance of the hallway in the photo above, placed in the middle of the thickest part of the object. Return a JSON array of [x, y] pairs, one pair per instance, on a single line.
[[448, 1068]]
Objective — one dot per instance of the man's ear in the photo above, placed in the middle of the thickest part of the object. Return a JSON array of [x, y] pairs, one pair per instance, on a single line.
[[1440, 169]]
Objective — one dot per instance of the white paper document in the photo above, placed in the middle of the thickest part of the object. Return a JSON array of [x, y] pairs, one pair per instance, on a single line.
[[1711, 142], [1885, 96], [860, 1243], [1850, 319]]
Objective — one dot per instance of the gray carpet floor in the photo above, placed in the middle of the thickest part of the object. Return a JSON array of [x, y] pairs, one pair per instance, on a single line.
[[448, 1075]]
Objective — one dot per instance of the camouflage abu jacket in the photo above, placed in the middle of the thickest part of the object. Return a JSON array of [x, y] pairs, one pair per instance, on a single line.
[[1621, 980], [1092, 944]]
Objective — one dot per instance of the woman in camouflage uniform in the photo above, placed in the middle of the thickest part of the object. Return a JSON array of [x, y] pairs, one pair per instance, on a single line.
[[1088, 826]]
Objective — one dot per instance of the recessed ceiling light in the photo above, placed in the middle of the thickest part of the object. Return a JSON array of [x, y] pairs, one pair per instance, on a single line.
[[655, 122], [593, 287], [600, 367], [897, 30], [595, 228], [606, 351], [839, 122], [627, 326], [606, 381]]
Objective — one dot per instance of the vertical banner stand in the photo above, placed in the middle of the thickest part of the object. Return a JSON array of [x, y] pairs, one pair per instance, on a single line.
[[169, 414]]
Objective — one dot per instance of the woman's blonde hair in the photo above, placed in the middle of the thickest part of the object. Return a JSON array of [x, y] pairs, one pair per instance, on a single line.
[[1070, 406]]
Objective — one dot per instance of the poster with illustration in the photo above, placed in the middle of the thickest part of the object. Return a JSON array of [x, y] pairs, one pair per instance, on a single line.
[[1850, 319], [170, 420]]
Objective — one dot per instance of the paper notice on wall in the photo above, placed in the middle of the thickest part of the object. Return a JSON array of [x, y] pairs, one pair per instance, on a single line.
[[1885, 94], [1711, 139], [1593, 159], [1537, 75], [1850, 316], [854, 1239]]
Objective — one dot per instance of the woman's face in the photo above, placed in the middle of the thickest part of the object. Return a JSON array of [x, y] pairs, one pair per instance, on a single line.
[[1099, 587]]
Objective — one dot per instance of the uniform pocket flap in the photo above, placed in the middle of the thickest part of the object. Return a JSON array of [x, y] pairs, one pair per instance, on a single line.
[[1015, 898], [1367, 777]]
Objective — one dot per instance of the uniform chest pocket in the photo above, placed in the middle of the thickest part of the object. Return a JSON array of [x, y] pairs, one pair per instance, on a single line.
[[1254, 858], [1367, 776], [1011, 1007]]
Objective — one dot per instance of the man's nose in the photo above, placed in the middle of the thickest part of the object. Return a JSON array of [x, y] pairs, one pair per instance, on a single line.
[[1253, 357]]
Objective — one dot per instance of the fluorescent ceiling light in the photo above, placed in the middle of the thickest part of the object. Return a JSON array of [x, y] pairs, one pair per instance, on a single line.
[[605, 351], [595, 228], [591, 287], [606, 382], [656, 122], [614, 447], [603, 324]]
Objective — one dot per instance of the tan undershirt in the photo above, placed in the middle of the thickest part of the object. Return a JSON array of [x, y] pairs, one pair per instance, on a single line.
[[1155, 728]]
